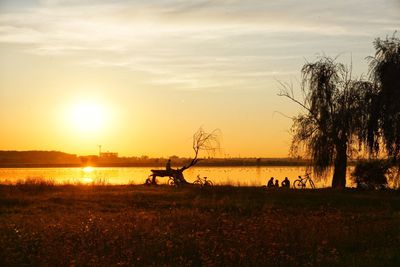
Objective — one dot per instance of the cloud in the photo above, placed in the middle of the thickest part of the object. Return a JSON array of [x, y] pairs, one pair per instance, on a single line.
[[197, 44]]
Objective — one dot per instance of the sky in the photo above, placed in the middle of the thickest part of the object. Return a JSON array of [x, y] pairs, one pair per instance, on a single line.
[[140, 77]]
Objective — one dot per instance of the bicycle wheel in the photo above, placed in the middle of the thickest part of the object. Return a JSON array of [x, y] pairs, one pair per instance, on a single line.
[[208, 183], [297, 184], [197, 182], [171, 181], [149, 180], [312, 184]]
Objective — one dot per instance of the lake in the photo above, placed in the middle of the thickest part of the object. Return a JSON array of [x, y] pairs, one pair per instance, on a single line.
[[236, 176]]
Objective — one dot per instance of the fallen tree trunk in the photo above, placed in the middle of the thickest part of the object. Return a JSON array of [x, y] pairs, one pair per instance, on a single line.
[[176, 174], [201, 141]]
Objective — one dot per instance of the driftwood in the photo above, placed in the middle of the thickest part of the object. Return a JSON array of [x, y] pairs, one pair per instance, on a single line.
[[201, 141], [175, 174]]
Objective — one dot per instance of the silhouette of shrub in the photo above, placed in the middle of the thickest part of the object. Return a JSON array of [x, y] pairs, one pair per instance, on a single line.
[[371, 174]]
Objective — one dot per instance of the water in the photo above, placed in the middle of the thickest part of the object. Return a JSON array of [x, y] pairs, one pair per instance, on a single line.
[[237, 176]]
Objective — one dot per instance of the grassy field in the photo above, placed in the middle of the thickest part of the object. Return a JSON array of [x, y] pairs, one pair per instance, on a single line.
[[46, 225]]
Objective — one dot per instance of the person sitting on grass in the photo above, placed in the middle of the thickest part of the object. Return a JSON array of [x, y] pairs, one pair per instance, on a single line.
[[286, 183], [277, 183], [270, 182]]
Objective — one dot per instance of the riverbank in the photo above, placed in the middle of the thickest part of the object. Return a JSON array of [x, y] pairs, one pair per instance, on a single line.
[[80, 225]]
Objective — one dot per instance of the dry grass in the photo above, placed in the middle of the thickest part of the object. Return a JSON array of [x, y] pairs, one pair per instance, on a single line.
[[227, 226]]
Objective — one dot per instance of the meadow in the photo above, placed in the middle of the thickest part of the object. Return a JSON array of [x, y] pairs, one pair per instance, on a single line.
[[43, 224]]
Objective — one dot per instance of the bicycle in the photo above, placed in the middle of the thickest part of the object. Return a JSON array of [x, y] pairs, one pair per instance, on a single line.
[[203, 182], [149, 180], [171, 181], [302, 182]]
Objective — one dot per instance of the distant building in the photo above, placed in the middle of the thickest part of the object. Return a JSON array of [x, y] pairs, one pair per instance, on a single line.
[[108, 155]]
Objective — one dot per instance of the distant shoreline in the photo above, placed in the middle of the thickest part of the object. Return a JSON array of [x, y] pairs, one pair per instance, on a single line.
[[122, 165], [161, 165], [57, 159]]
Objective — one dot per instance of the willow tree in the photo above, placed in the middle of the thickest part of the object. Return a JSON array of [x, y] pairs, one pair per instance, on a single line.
[[331, 120], [384, 122]]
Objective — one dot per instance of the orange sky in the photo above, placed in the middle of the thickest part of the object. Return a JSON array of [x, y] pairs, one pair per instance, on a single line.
[[151, 73]]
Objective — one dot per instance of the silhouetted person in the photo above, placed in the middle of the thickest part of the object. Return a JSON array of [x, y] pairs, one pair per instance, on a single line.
[[270, 182], [286, 183], [276, 183], [168, 165]]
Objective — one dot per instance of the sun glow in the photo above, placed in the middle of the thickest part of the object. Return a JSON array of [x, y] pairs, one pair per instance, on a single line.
[[88, 117]]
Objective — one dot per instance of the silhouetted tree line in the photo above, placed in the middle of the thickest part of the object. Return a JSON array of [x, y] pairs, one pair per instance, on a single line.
[[342, 111], [60, 159], [37, 157]]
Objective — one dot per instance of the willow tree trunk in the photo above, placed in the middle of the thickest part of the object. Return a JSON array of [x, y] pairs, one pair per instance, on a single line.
[[340, 166]]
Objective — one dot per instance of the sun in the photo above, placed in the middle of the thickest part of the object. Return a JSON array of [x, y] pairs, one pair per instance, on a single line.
[[88, 116]]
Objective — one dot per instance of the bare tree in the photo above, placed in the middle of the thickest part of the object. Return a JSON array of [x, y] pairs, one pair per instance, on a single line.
[[202, 142]]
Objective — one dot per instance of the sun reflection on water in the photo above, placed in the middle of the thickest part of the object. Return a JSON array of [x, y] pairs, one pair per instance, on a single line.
[[87, 180], [88, 169], [86, 177]]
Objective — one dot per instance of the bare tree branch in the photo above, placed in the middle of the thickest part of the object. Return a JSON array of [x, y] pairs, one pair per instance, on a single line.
[[284, 115], [287, 91], [203, 141]]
